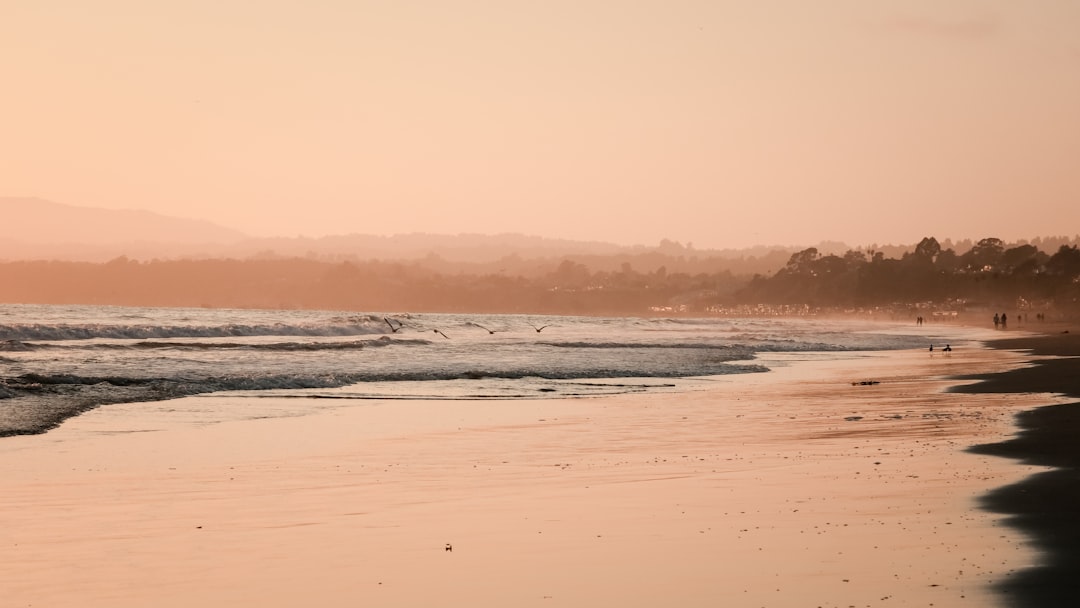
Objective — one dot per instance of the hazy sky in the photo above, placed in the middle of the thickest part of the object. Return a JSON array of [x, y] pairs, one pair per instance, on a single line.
[[720, 123]]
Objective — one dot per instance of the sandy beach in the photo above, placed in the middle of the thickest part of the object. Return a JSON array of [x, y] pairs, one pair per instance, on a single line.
[[803, 486]]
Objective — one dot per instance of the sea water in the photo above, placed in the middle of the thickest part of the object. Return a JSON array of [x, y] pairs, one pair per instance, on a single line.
[[58, 361]]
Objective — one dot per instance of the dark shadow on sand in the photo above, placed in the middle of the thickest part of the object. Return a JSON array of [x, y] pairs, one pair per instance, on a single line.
[[1044, 507]]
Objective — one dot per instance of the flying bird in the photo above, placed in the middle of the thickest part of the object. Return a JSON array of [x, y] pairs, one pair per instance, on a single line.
[[490, 331], [441, 334], [392, 328], [540, 329]]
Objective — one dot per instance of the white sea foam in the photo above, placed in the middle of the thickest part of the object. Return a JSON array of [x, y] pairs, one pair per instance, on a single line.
[[61, 360]]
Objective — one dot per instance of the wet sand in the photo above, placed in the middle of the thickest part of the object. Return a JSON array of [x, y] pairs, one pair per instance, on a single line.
[[799, 487], [1045, 506]]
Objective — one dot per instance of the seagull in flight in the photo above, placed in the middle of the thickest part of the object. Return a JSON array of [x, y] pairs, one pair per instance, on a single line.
[[490, 331], [541, 328], [441, 334], [392, 328]]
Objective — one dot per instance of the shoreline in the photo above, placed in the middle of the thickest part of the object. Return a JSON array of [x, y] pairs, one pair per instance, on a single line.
[[1043, 506], [36, 402], [796, 487]]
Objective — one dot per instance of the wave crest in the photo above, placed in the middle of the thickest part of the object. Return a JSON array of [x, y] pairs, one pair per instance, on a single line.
[[56, 332]]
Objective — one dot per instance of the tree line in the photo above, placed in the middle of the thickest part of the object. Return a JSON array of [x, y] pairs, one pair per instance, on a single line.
[[566, 288], [988, 273]]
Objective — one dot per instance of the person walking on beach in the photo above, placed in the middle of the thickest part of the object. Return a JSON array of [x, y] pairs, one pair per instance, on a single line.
[[1003, 320], [997, 320]]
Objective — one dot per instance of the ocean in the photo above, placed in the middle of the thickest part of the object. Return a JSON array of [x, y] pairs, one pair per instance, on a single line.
[[59, 361]]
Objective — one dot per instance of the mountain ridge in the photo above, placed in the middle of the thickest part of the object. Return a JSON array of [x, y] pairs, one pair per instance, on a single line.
[[39, 229], [36, 220]]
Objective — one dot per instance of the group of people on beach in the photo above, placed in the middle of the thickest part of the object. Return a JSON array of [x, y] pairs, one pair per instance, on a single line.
[[1001, 320]]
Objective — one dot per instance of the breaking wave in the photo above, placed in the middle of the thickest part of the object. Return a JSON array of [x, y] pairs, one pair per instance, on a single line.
[[56, 332], [245, 346], [60, 361]]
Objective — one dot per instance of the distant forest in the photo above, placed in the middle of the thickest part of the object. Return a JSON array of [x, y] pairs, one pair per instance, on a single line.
[[669, 280], [987, 274]]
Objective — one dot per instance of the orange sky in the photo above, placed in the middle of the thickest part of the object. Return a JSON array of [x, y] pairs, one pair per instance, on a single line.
[[720, 123]]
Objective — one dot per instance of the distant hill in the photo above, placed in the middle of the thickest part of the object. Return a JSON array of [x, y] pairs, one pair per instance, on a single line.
[[469, 248], [37, 228]]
